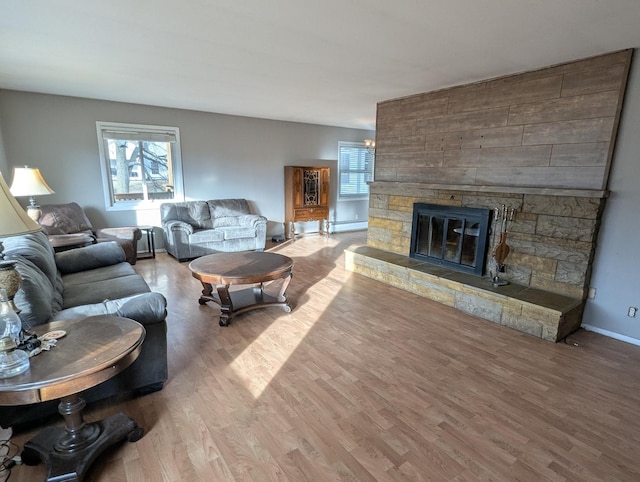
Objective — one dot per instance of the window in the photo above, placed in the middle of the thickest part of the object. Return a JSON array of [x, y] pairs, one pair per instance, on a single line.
[[140, 164], [355, 167]]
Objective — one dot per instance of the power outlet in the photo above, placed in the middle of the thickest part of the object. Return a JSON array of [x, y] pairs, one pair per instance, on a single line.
[[632, 312]]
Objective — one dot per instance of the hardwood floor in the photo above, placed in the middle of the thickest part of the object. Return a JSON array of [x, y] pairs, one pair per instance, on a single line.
[[364, 382]]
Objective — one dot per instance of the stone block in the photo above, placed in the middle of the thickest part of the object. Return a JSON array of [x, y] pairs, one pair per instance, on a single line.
[[566, 228], [565, 206], [524, 325], [387, 224], [475, 305], [379, 201], [572, 273]]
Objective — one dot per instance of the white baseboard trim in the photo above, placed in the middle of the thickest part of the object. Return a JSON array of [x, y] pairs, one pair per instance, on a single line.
[[612, 334], [337, 227]]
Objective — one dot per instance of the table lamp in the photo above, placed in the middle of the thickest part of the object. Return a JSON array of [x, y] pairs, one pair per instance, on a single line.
[[28, 181], [13, 222]]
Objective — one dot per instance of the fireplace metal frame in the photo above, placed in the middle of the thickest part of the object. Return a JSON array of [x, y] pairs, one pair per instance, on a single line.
[[467, 215]]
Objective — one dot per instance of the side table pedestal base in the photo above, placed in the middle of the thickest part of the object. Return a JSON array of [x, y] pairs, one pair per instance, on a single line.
[[73, 466]]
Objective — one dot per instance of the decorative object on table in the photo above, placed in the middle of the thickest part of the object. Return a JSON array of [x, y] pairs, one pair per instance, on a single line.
[[12, 361], [502, 220], [28, 181], [13, 221]]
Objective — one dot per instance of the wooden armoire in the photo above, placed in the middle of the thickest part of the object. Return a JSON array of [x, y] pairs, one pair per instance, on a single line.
[[306, 197]]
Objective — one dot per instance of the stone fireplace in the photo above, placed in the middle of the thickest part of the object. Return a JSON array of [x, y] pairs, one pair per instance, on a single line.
[[539, 142]]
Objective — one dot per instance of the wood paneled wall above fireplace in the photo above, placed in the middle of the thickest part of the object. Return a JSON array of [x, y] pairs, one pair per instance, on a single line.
[[539, 141], [553, 127]]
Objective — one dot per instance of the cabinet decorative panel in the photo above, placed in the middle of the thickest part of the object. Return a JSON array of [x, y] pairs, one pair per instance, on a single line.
[[306, 197]]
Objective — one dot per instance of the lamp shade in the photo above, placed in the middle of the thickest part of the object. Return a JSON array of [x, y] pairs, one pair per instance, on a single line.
[[13, 219], [27, 181]]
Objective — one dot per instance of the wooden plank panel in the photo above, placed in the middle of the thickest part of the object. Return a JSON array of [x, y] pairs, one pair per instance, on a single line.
[[586, 154], [385, 174], [493, 157], [507, 94], [473, 120], [400, 144], [552, 177], [419, 159], [474, 139], [585, 82], [591, 63], [602, 104], [436, 175], [589, 130]]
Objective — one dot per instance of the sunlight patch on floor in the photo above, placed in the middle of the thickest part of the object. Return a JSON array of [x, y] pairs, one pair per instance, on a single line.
[[261, 361]]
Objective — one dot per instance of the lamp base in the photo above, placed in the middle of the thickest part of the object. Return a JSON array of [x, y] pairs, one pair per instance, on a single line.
[[34, 212], [10, 280]]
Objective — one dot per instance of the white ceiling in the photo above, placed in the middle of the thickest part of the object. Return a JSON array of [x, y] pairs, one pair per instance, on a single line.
[[321, 61]]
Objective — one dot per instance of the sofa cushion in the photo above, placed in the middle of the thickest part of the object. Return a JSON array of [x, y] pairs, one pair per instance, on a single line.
[[195, 213], [89, 257], [221, 208], [64, 219], [206, 236], [35, 297], [98, 274], [145, 308], [237, 232], [98, 291]]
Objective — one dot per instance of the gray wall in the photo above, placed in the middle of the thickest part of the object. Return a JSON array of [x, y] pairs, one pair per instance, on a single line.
[[4, 166], [616, 268], [222, 156]]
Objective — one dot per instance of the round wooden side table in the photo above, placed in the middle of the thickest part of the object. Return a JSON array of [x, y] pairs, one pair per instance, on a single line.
[[93, 350]]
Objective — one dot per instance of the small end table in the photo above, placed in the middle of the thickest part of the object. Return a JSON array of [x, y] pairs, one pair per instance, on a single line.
[[150, 253], [93, 350]]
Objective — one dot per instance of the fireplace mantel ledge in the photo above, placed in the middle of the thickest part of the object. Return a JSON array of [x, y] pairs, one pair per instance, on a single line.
[[395, 186]]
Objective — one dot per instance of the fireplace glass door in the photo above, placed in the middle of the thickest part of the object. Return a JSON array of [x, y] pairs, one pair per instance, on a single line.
[[455, 237]]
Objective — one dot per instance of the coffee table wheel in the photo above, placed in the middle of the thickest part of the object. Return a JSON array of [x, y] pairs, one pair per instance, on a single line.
[[202, 301], [136, 434], [224, 322]]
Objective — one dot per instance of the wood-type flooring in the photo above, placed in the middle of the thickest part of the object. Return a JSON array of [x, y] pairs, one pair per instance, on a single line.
[[365, 382]]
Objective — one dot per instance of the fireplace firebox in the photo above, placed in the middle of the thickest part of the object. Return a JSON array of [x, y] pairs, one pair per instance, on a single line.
[[451, 236]]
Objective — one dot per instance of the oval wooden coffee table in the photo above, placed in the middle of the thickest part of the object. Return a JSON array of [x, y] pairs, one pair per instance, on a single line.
[[93, 350], [242, 268]]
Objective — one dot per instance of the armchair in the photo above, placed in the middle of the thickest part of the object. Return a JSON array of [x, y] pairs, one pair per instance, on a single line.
[[68, 225], [196, 228]]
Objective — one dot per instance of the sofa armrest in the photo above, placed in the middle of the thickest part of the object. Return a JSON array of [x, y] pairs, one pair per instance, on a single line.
[[253, 220], [179, 226], [145, 308], [89, 257]]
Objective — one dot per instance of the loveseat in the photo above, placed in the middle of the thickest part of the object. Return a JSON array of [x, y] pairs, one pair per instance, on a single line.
[[83, 282], [196, 228]]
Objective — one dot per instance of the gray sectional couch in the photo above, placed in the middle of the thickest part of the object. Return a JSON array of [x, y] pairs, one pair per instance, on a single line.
[[196, 228], [93, 280]]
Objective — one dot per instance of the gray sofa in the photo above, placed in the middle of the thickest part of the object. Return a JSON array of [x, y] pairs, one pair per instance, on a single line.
[[196, 228], [93, 280]]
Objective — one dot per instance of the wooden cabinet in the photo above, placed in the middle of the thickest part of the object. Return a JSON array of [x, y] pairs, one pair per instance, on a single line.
[[306, 197]]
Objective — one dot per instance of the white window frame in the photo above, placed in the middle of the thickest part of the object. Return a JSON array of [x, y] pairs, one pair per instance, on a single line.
[[358, 196], [141, 130]]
